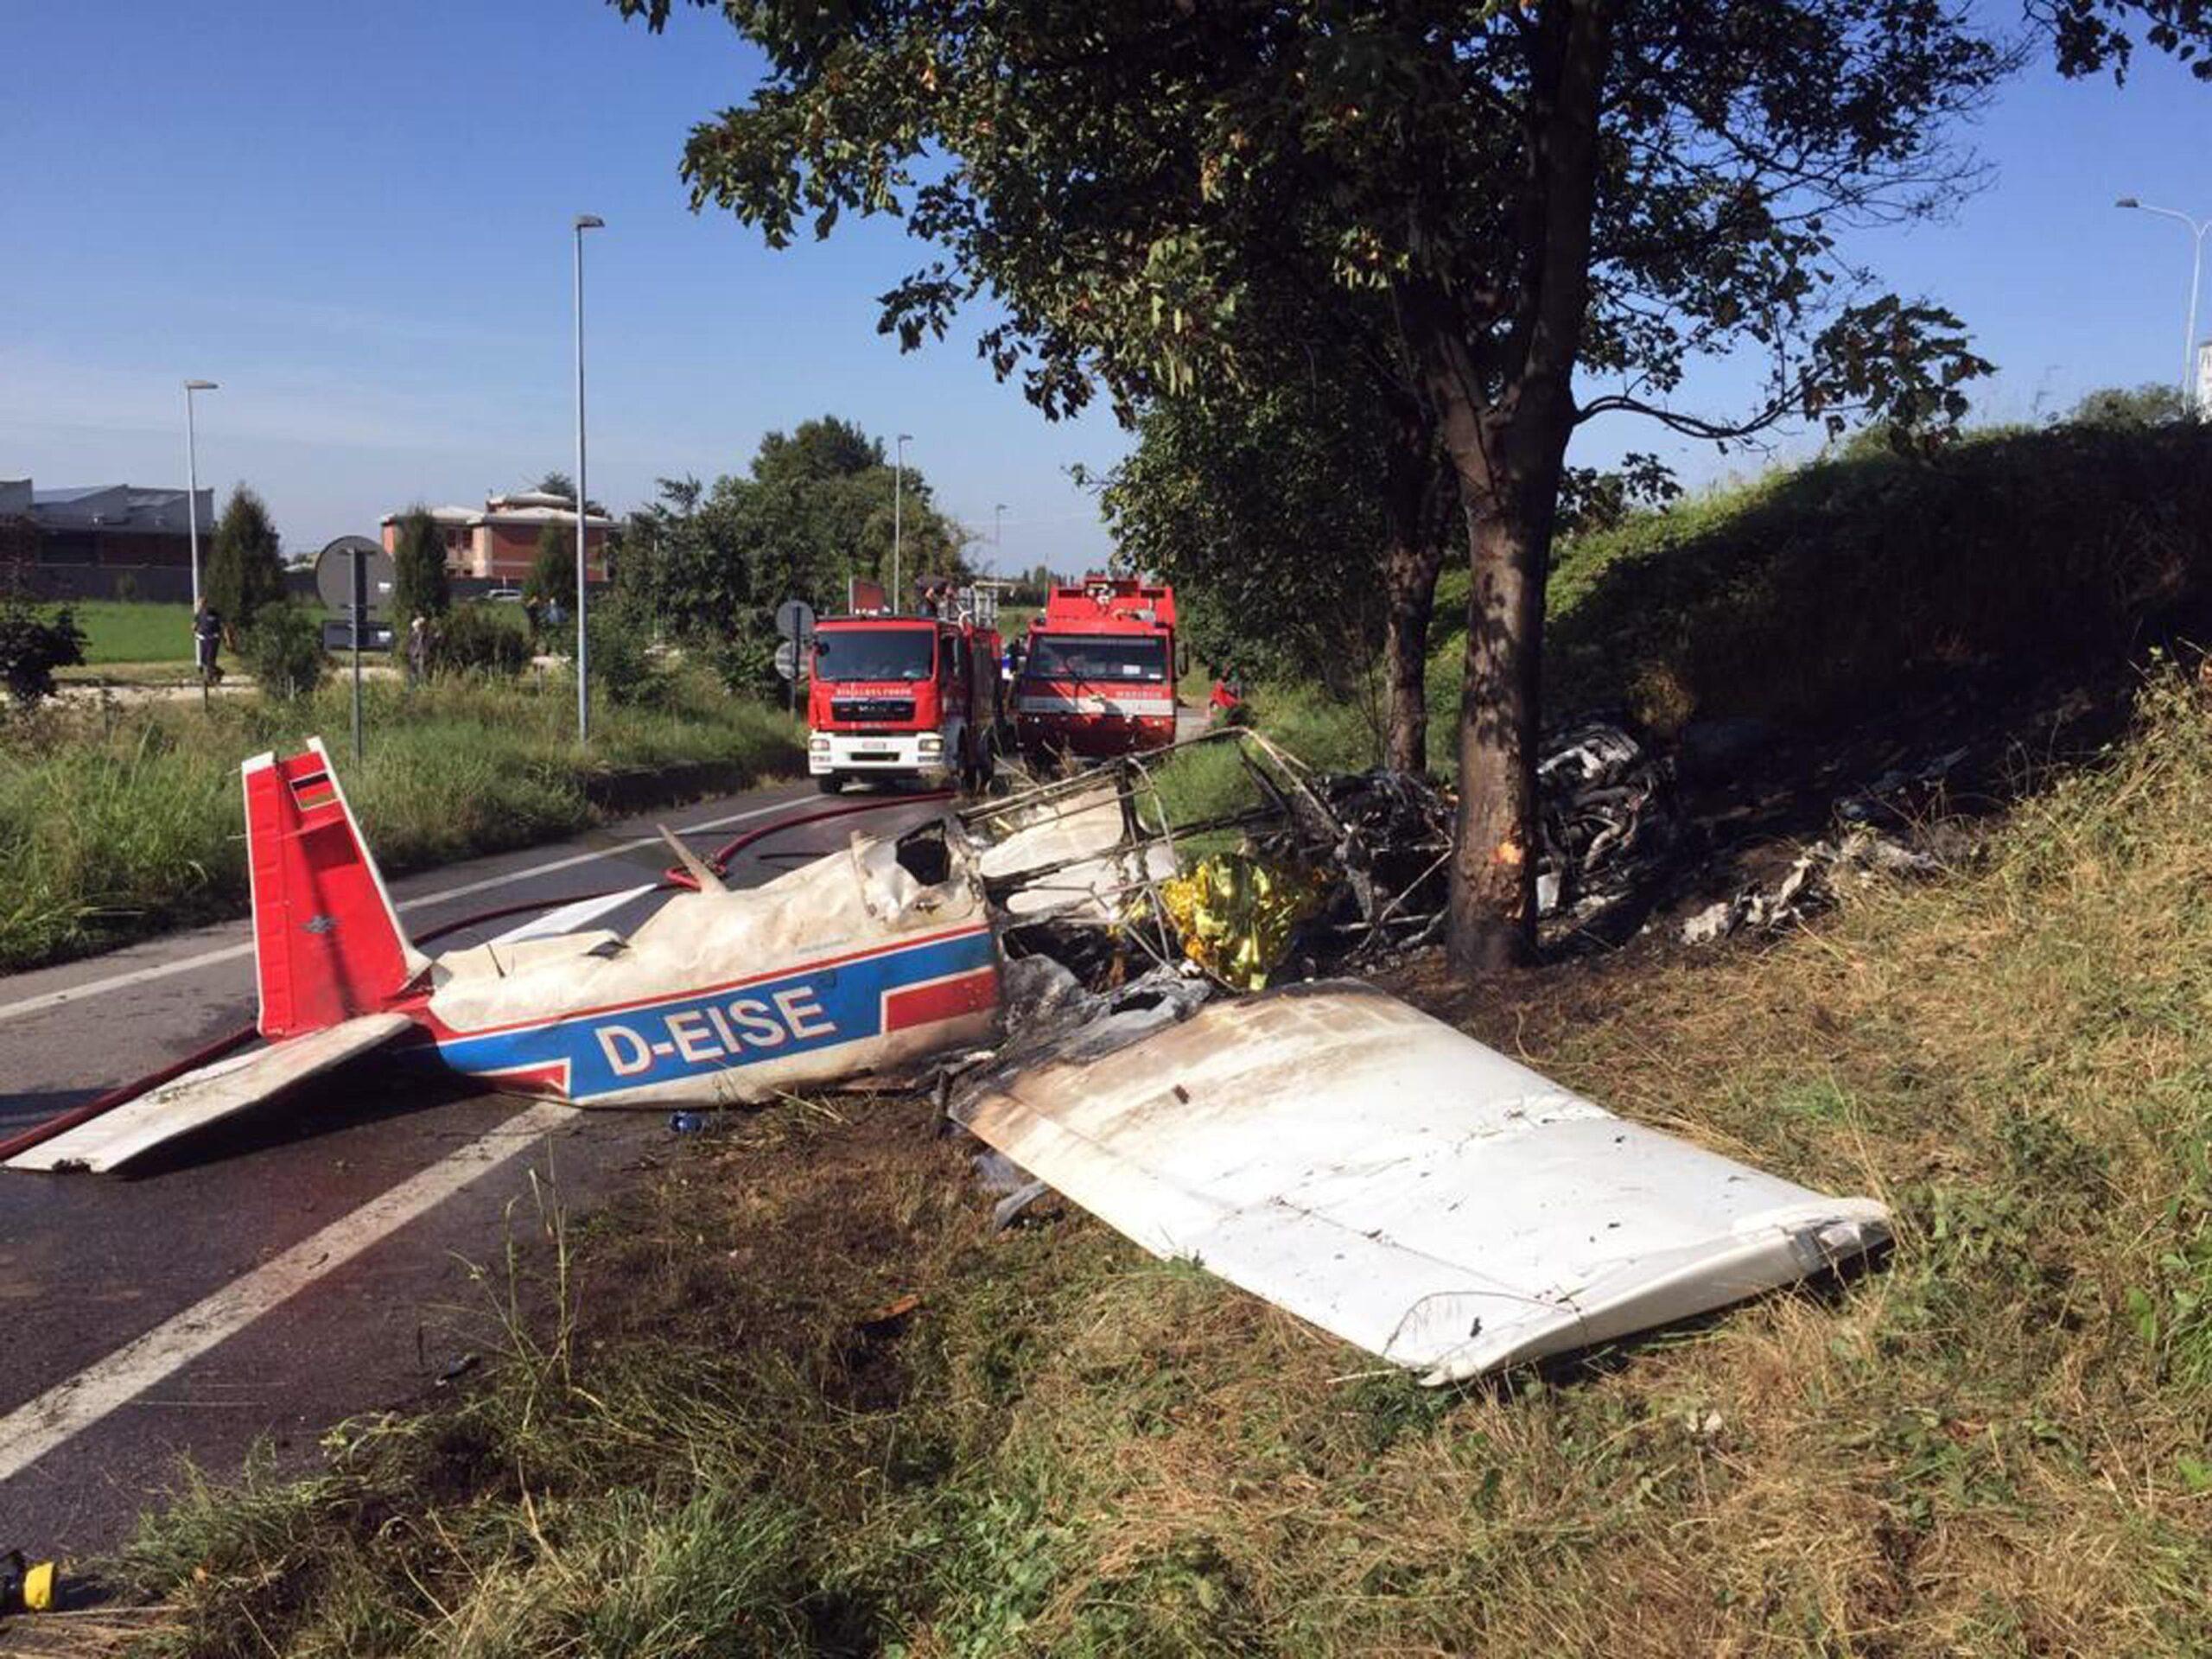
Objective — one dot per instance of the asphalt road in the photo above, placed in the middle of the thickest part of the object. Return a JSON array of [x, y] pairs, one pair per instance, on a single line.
[[96, 1271]]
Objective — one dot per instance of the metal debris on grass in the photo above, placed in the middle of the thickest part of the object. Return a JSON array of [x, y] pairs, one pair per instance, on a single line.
[[1809, 886]]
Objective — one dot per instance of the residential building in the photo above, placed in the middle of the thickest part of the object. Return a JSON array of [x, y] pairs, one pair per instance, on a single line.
[[498, 542]]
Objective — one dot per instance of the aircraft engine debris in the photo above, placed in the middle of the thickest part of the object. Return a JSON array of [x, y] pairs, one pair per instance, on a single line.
[[1393, 1181], [1608, 818]]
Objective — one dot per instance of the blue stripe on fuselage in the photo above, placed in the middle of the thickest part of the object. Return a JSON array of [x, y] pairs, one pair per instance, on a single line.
[[693, 1033]]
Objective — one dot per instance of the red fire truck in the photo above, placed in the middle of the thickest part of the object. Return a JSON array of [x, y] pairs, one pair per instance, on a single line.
[[1098, 677], [902, 696]]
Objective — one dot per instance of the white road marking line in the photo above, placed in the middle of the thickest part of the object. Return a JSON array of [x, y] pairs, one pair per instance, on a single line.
[[29, 1432], [232, 952]]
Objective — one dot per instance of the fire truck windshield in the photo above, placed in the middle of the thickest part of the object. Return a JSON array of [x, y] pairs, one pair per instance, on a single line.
[[875, 653], [1097, 657]]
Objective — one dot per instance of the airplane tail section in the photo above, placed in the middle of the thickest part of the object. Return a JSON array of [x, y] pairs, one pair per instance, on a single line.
[[327, 943]]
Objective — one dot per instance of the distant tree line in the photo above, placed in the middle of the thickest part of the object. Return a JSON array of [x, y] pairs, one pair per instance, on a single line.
[[710, 563]]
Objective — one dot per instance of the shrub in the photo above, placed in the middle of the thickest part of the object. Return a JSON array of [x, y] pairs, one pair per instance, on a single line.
[[480, 639], [33, 644], [745, 661], [621, 662], [284, 650], [245, 568]]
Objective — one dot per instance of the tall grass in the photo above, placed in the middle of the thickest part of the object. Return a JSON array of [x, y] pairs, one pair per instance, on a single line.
[[120, 819], [1994, 1443]]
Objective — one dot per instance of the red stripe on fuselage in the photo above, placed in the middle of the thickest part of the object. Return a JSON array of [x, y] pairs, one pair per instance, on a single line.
[[942, 998]]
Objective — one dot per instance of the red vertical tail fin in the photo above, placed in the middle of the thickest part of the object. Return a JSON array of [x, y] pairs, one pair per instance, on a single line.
[[327, 944]]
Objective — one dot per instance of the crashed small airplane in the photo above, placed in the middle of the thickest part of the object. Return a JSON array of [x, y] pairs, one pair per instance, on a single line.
[[857, 962], [1321, 1145]]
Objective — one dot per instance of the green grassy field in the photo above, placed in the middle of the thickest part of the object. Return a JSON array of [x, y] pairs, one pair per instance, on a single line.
[[132, 631]]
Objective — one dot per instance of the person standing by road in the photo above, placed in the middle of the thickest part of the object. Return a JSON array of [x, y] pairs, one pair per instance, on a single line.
[[207, 640], [418, 652]]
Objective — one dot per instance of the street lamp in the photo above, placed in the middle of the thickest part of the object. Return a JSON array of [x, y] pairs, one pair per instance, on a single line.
[[998, 538], [191, 483], [2196, 230], [584, 222], [898, 504]]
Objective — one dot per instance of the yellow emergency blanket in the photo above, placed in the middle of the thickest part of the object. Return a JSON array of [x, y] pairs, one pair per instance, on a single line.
[[1236, 914]]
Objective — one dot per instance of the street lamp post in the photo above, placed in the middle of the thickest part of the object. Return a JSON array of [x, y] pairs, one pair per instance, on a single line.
[[191, 483], [998, 538], [2196, 230], [898, 514], [584, 222]]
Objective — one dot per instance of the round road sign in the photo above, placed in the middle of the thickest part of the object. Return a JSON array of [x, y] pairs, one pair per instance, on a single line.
[[794, 620], [787, 658], [334, 575]]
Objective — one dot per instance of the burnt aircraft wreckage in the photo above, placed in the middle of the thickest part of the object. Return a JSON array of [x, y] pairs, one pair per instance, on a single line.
[[1081, 963]]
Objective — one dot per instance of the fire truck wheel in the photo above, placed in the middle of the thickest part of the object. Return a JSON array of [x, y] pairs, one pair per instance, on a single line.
[[828, 783]]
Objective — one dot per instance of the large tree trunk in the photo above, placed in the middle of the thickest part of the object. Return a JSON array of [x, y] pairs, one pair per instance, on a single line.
[[1411, 597], [1505, 407], [1414, 489], [1493, 922]]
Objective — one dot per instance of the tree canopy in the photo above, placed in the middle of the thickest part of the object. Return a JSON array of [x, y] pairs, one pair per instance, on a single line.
[[815, 507], [2152, 405], [560, 484], [1264, 512]]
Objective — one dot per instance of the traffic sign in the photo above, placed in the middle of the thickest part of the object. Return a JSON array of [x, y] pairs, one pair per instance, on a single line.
[[338, 635], [334, 575], [787, 658], [794, 620]]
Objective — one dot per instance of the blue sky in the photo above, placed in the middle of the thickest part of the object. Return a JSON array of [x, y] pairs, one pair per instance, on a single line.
[[356, 219]]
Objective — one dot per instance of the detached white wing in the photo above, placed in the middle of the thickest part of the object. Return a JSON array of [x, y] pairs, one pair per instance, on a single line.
[[1393, 1181], [207, 1095]]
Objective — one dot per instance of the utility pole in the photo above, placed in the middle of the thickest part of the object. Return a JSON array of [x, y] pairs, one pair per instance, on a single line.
[[2196, 230], [191, 485], [584, 222]]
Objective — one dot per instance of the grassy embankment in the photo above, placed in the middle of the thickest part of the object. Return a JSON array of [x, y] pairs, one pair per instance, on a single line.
[[117, 821], [1995, 1443], [1831, 594]]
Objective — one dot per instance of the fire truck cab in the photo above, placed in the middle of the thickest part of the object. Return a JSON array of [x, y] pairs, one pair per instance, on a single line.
[[902, 696], [1098, 677]]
